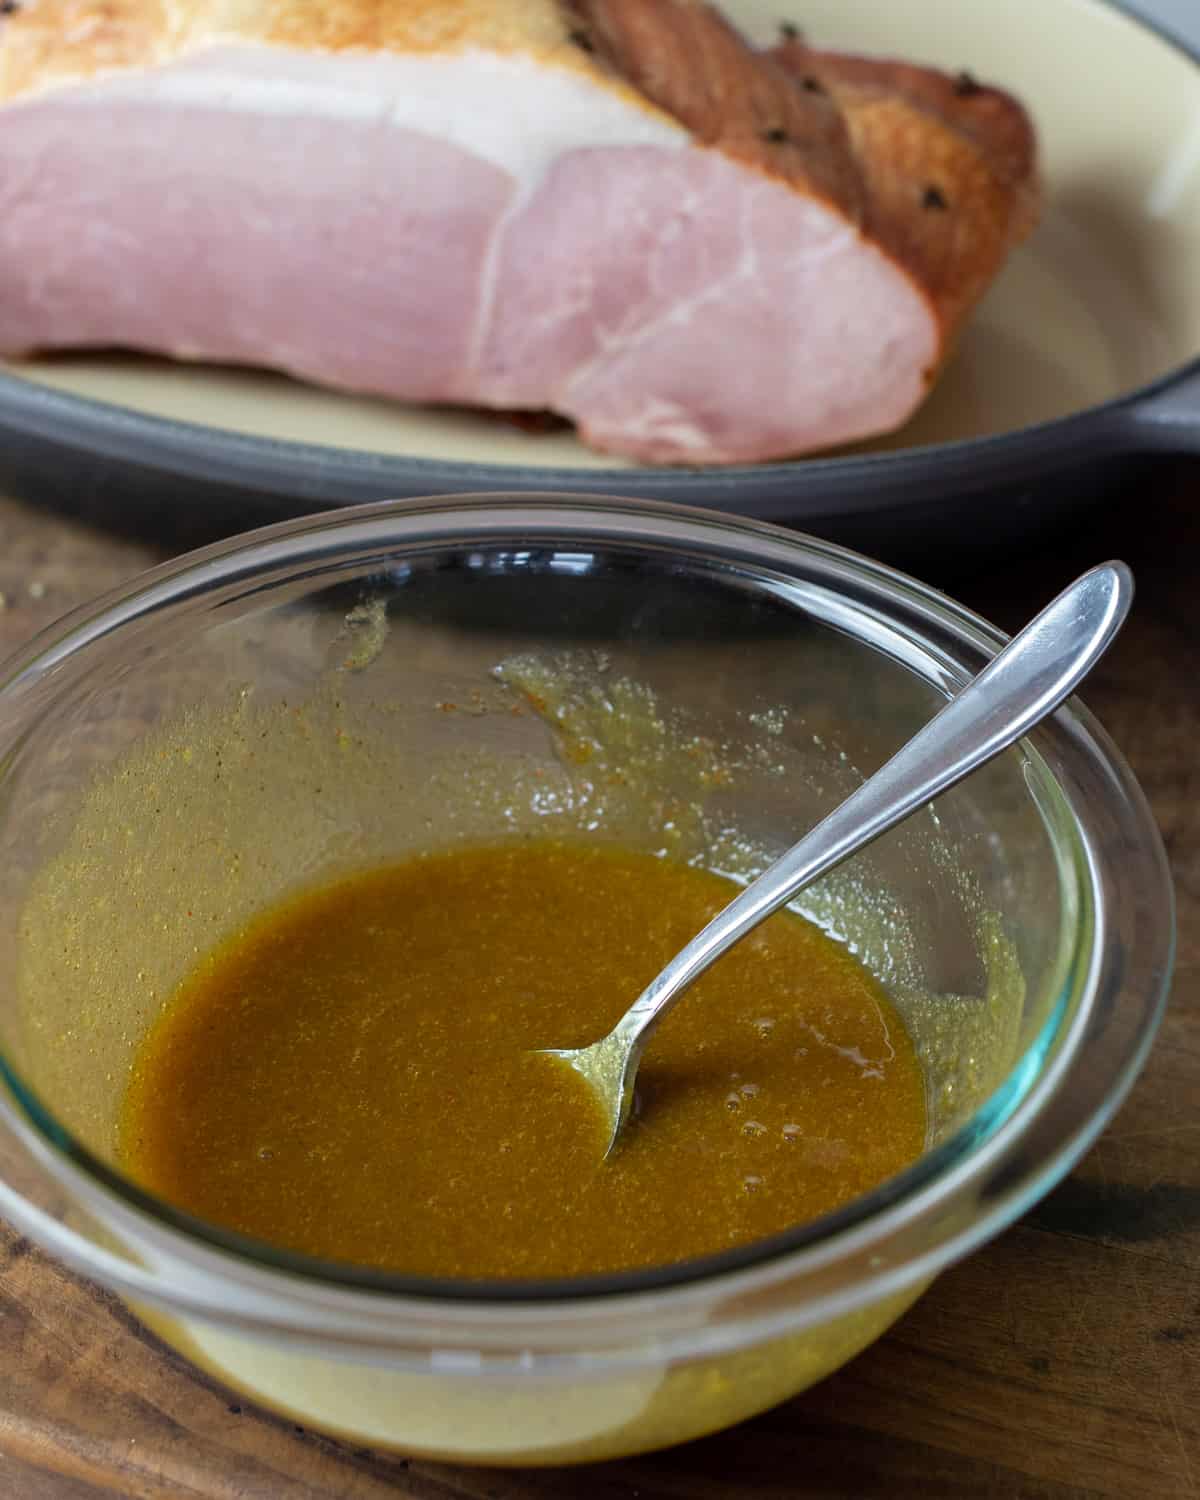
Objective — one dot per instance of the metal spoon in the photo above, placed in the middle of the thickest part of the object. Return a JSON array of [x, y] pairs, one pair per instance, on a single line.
[[1024, 683]]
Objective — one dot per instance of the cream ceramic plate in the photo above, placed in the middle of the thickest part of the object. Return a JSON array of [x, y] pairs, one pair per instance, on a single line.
[[1102, 304]]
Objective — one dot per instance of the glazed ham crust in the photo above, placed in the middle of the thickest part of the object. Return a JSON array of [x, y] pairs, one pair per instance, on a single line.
[[949, 168], [616, 210]]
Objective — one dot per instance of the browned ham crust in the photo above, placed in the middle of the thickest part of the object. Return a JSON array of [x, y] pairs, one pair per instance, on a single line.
[[949, 168]]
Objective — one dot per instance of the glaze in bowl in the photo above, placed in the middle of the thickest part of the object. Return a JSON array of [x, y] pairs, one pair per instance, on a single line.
[[320, 695]]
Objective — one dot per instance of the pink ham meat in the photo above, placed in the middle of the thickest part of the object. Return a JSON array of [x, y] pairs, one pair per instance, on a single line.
[[615, 210]]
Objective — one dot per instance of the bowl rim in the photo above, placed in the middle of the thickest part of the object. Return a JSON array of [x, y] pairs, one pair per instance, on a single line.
[[309, 1288]]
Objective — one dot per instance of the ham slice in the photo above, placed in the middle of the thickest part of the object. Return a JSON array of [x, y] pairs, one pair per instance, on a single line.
[[615, 210]]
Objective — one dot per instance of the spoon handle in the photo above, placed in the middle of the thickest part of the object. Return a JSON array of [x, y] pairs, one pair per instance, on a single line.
[[1023, 683]]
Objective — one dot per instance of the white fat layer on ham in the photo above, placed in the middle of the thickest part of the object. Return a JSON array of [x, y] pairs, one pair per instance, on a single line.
[[474, 227], [517, 112]]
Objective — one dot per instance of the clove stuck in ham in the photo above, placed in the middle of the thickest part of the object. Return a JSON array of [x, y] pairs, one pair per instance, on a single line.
[[697, 251]]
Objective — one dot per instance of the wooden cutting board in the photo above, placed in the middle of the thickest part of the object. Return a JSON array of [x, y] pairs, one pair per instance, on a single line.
[[1061, 1361]]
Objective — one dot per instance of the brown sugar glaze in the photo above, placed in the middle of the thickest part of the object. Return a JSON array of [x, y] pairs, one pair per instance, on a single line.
[[353, 1075]]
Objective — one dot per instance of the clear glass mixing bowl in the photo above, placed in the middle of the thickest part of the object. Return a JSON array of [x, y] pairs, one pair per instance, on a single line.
[[341, 689]]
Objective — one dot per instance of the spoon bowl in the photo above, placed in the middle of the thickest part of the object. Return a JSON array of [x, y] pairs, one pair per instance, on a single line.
[[1025, 682]]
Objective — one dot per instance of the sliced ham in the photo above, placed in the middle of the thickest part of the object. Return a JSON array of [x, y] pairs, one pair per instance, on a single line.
[[615, 210]]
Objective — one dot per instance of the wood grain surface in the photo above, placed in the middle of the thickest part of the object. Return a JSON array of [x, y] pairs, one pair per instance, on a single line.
[[1062, 1360]]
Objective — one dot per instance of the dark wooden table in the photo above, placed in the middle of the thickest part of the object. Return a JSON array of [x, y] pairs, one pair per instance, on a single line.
[[1062, 1360]]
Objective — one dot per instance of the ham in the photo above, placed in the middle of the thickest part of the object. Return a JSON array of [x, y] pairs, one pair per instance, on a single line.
[[615, 210]]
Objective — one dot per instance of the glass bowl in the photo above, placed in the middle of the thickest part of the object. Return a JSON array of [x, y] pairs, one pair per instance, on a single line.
[[322, 694]]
